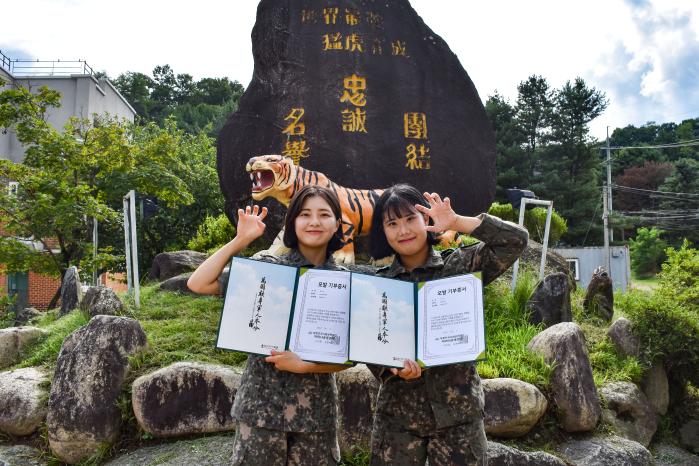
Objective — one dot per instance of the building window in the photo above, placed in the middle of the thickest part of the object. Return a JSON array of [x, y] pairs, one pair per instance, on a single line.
[[574, 265]]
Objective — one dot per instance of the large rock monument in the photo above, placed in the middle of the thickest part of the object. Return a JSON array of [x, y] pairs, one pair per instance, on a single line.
[[365, 92]]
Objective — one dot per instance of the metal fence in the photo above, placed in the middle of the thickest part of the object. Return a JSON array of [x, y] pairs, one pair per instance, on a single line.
[[21, 67]]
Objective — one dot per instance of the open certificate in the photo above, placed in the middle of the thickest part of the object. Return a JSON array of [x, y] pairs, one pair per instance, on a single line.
[[434, 323], [450, 321], [257, 307], [276, 307], [320, 323]]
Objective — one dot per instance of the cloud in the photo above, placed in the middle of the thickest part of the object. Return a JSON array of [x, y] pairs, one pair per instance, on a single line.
[[651, 72]]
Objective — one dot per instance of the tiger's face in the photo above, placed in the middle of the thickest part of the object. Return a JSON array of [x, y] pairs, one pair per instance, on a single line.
[[271, 175]]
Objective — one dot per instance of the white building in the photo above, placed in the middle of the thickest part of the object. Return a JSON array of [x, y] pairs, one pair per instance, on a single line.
[[82, 94]]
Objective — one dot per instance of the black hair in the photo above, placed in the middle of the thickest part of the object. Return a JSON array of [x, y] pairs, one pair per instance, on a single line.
[[295, 206], [396, 202]]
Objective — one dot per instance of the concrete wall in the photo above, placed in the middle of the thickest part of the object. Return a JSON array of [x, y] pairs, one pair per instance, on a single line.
[[82, 96], [592, 257]]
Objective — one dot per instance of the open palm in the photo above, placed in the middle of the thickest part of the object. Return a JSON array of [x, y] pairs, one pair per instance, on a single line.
[[440, 211], [250, 222]]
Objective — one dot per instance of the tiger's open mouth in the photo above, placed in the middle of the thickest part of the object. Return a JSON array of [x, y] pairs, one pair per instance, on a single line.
[[261, 180]]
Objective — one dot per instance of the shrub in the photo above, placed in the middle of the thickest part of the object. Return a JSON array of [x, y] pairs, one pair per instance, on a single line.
[[534, 221], [668, 332], [647, 252], [212, 233], [679, 279]]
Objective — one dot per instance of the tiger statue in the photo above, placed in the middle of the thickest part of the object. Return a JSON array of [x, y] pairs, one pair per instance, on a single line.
[[276, 176]]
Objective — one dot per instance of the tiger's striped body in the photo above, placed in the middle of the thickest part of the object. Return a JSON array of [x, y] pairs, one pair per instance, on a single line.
[[357, 204]]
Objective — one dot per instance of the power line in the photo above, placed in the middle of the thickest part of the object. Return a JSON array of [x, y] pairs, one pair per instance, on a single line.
[[683, 197], [654, 191], [669, 145]]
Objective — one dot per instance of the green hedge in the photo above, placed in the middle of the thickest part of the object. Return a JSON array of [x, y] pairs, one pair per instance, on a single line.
[[534, 221]]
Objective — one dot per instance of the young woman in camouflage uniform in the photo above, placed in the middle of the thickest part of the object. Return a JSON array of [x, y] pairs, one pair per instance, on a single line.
[[285, 408], [435, 414]]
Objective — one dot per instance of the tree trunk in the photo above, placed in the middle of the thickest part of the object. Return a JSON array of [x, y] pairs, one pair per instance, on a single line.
[[56, 297]]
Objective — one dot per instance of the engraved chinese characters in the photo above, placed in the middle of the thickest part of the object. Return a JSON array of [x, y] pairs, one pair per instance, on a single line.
[[364, 92]]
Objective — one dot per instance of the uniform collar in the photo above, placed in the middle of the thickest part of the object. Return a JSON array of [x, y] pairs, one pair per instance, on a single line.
[[295, 258], [434, 260]]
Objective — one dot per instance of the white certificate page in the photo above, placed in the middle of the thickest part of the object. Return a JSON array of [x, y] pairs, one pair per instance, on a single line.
[[450, 320], [382, 321], [257, 307], [320, 323]]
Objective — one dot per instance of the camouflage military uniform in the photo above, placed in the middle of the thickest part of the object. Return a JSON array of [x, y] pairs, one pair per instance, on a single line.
[[440, 415], [282, 417]]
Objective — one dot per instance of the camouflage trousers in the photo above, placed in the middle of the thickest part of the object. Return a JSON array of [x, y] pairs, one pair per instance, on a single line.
[[255, 446], [460, 445]]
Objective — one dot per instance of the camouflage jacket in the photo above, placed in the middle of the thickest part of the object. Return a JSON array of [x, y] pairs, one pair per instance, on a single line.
[[280, 400], [447, 395]]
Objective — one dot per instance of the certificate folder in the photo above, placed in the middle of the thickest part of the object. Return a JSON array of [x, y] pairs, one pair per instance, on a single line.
[[276, 307], [335, 317], [435, 322]]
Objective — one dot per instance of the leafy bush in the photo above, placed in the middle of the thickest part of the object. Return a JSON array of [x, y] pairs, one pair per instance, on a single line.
[[212, 233], [647, 252], [679, 279], [7, 316], [534, 221], [668, 332]]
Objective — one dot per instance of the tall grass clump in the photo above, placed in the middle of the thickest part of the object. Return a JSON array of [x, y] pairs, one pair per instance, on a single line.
[[508, 332], [607, 364], [45, 351]]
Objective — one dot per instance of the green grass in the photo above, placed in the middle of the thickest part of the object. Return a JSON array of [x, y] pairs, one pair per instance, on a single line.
[[508, 332], [356, 457], [179, 328], [644, 283], [45, 351]]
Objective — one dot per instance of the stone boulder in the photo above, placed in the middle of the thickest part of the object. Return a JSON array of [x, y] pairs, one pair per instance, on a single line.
[[101, 300], [656, 388], [22, 400], [13, 341], [604, 451], [170, 264], [83, 414], [71, 291], [203, 451], [550, 302], [627, 410], [25, 316], [357, 392], [21, 455], [689, 435], [512, 407], [665, 454], [501, 455], [599, 297], [621, 335], [408, 92], [574, 391], [185, 398], [177, 284]]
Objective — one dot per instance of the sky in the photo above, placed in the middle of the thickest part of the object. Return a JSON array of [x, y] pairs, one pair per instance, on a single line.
[[644, 54]]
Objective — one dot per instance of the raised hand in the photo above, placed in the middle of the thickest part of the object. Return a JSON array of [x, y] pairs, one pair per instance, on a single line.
[[250, 224], [440, 211]]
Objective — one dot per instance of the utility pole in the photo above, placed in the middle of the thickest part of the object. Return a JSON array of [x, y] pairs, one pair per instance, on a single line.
[[609, 186], [605, 219]]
